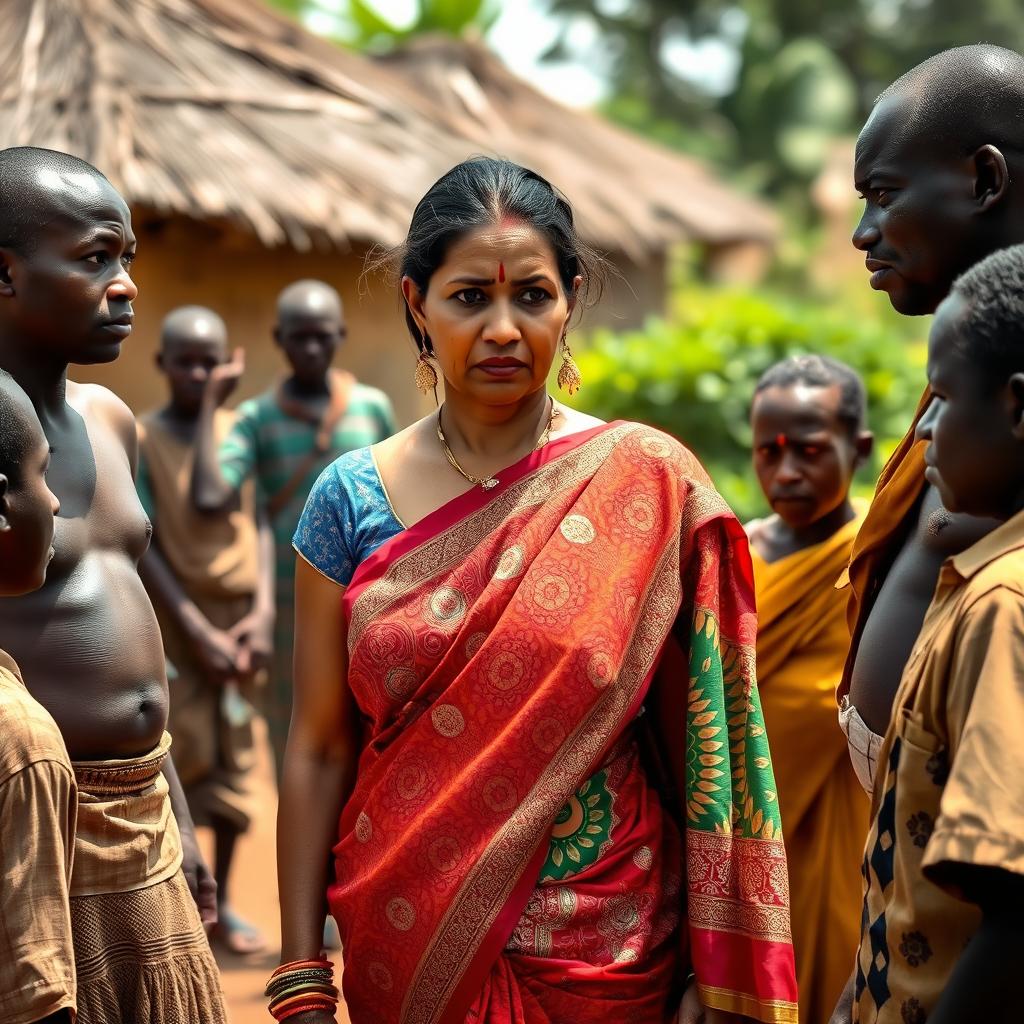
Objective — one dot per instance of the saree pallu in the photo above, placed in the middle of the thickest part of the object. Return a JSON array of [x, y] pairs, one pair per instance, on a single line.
[[500, 653]]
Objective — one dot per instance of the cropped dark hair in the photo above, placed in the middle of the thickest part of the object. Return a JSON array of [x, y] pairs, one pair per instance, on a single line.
[[24, 204], [822, 372], [19, 430], [483, 191], [992, 328]]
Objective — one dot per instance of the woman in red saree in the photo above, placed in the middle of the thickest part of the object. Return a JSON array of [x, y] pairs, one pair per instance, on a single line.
[[533, 707]]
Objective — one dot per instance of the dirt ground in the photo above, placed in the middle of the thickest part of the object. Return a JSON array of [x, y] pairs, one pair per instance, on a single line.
[[254, 895]]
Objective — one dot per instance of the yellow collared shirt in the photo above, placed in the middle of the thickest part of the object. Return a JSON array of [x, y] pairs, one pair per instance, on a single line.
[[949, 788]]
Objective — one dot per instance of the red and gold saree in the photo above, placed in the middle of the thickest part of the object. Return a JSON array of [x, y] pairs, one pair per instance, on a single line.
[[564, 802]]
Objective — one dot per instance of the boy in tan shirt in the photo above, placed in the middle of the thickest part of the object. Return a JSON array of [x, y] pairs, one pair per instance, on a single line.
[[211, 580], [37, 784], [943, 923]]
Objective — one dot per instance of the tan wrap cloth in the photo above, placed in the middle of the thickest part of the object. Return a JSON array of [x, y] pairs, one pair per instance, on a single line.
[[215, 556], [140, 948], [37, 823], [801, 646]]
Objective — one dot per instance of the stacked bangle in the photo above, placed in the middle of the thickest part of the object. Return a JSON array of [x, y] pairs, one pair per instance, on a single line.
[[300, 986]]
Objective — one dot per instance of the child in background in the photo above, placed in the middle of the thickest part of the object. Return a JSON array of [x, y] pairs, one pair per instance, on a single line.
[[942, 935], [37, 784], [808, 420], [211, 580], [283, 439]]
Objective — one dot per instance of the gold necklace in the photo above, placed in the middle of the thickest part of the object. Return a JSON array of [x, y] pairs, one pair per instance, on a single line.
[[487, 482]]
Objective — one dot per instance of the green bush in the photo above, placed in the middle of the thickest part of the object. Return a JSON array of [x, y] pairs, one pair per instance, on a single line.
[[693, 375]]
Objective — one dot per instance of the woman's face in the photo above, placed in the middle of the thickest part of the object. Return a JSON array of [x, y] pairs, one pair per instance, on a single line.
[[494, 311]]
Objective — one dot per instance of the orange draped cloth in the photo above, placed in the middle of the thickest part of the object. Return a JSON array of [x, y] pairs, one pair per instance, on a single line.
[[896, 494], [564, 801], [802, 642]]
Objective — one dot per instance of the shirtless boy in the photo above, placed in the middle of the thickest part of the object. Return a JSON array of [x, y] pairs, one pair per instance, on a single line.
[[809, 438], [283, 439], [88, 641], [942, 935], [212, 583], [939, 164], [37, 785]]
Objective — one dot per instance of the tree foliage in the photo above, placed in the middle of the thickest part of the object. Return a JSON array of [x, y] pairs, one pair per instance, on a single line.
[[359, 24], [807, 69], [693, 374]]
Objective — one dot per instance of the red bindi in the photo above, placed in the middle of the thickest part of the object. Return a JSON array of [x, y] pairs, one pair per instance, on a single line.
[[501, 273], [780, 440]]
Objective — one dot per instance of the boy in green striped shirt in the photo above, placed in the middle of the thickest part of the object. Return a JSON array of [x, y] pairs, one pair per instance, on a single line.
[[283, 439]]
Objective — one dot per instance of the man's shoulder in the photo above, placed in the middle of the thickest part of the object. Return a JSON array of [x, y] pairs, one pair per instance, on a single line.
[[29, 731], [97, 403]]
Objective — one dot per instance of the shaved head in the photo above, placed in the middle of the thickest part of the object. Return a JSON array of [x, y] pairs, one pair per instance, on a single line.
[[962, 99], [193, 324], [20, 432], [38, 186], [309, 299]]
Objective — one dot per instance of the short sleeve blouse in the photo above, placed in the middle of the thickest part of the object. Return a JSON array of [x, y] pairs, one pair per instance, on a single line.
[[346, 518]]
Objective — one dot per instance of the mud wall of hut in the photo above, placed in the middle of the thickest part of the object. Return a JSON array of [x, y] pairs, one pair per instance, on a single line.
[[181, 262]]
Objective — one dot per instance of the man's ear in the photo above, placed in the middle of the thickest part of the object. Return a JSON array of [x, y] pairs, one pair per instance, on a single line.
[[991, 176], [1015, 395], [5, 523], [864, 444], [6, 283]]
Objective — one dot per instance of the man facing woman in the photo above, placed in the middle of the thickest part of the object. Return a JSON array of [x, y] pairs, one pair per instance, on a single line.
[[524, 680]]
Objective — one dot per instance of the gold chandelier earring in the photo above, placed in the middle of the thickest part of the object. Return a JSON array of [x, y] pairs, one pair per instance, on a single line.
[[425, 376], [569, 378]]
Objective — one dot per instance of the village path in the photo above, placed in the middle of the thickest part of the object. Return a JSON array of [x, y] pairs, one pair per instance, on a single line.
[[254, 895]]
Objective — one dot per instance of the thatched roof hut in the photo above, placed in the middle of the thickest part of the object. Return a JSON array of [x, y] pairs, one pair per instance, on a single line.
[[253, 152]]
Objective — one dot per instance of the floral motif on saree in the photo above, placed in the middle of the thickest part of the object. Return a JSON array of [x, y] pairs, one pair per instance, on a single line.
[[503, 851]]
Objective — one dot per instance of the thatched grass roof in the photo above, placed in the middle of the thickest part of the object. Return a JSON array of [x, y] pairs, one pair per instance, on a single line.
[[225, 110], [630, 194]]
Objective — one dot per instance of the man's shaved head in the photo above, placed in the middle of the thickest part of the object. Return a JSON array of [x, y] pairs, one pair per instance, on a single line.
[[193, 324], [964, 98], [309, 299], [35, 184], [939, 165]]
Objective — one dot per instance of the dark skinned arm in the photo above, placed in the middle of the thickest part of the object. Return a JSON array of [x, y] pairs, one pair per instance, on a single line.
[[211, 493], [216, 650], [985, 985], [197, 874], [319, 765], [843, 1013], [254, 634]]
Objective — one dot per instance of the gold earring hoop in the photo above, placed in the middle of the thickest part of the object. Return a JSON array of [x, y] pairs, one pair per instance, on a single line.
[[569, 378]]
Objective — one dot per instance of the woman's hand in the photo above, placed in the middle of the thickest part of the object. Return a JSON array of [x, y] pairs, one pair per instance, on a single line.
[[314, 1017]]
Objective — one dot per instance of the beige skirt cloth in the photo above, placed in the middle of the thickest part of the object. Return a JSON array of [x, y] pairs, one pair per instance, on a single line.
[[141, 953]]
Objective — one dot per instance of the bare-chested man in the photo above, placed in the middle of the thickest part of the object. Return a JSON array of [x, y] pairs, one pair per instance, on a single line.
[[939, 164], [88, 641]]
